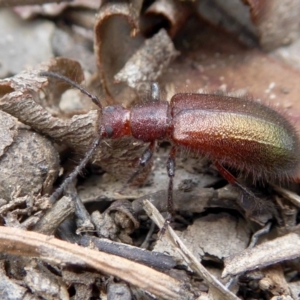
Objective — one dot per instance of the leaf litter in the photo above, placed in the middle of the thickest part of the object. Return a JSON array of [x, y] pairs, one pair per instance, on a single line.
[[218, 226]]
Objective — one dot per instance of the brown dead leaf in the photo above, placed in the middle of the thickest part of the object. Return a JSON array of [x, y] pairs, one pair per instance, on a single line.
[[54, 89]]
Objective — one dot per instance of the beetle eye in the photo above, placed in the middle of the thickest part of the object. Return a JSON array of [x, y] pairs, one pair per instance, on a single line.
[[109, 131]]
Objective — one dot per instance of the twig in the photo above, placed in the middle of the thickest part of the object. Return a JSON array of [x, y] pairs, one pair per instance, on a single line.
[[59, 212], [54, 251]]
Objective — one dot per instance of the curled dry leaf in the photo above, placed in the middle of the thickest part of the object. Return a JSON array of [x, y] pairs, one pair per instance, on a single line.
[[175, 13], [122, 58], [31, 164], [54, 89], [116, 223], [116, 38], [124, 216]]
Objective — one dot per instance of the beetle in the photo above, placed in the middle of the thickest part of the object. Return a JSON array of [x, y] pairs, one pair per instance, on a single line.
[[230, 131]]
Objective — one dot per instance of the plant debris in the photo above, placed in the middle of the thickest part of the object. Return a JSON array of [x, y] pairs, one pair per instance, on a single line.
[[97, 240]]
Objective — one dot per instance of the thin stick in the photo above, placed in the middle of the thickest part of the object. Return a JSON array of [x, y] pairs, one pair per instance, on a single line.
[[53, 251]]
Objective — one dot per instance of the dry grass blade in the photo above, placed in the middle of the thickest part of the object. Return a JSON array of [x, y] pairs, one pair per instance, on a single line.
[[216, 289]]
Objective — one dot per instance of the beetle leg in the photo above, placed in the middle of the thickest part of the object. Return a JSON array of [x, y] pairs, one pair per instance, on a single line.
[[171, 165], [232, 180], [144, 159]]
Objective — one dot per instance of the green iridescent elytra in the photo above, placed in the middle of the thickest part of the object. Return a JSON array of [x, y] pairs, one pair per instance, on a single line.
[[240, 133]]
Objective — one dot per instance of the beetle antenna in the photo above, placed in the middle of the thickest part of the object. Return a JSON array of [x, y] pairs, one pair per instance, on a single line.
[[94, 98], [56, 194], [76, 171]]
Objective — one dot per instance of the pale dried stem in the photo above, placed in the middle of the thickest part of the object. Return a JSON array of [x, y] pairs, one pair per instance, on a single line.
[[216, 288], [54, 251]]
